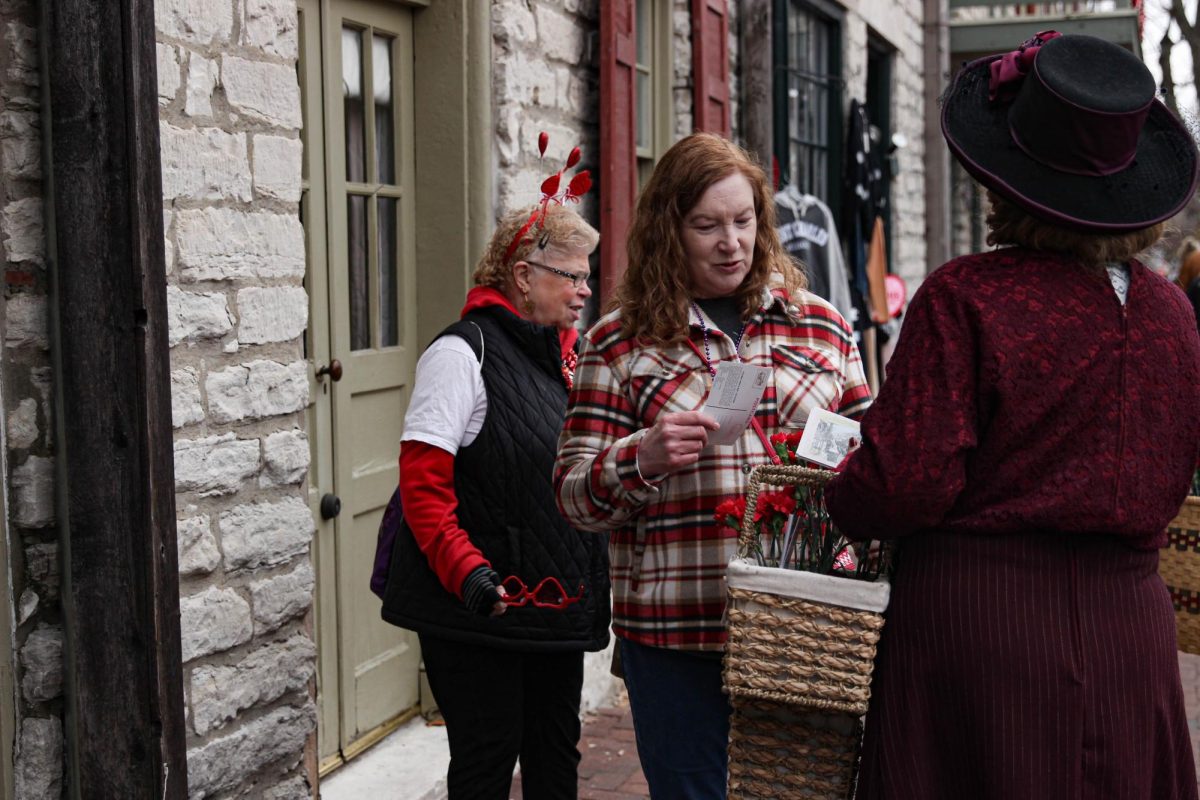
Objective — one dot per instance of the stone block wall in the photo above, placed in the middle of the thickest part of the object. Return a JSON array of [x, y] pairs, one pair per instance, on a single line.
[[230, 119], [681, 62], [230, 111], [27, 391], [545, 61]]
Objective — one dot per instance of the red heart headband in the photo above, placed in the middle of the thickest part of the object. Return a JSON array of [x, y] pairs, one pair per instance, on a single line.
[[576, 188]]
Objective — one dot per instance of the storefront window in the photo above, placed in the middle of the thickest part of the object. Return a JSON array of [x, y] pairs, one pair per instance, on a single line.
[[808, 88]]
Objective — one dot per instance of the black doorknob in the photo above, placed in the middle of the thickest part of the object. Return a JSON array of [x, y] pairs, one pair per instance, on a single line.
[[331, 506], [333, 370]]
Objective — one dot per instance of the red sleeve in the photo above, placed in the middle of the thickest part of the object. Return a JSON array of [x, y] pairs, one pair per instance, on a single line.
[[430, 505]]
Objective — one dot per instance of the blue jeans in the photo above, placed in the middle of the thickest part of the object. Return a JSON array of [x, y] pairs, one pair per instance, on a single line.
[[681, 720]]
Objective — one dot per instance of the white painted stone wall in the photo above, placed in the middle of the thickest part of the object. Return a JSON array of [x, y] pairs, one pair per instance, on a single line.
[[681, 61], [545, 58], [231, 153]]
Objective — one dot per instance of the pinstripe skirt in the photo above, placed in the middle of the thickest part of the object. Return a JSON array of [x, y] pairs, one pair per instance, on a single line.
[[1027, 667]]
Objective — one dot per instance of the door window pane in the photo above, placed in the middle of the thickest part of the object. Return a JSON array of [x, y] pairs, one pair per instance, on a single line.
[[645, 110], [385, 137], [642, 23], [644, 79], [357, 265], [352, 98], [389, 318]]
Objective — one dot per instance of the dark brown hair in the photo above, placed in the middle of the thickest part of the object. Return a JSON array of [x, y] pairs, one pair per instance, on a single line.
[[1009, 224], [654, 292]]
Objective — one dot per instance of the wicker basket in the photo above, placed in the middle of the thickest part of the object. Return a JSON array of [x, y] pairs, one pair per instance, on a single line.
[[798, 638], [778, 751], [797, 667], [1179, 566]]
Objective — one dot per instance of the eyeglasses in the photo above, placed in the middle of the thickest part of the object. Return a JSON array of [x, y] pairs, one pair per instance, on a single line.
[[577, 279], [547, 594]]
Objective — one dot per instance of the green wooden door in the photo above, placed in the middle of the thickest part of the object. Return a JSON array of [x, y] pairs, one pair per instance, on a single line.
[[356, 73]]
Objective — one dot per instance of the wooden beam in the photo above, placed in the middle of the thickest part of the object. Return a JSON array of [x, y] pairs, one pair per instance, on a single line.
[[116, 494]]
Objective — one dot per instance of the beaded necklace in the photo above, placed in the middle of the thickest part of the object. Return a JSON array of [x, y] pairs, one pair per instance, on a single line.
[[737, 340]]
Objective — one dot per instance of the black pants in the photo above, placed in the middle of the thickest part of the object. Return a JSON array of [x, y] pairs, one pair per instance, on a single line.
[[501, 706]]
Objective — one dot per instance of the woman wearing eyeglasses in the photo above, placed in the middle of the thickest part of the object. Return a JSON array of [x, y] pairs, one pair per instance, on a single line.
[[707, 282], [505, 594]]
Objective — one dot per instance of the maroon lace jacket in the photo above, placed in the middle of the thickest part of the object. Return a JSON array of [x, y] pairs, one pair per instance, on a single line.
[[1023, 396]]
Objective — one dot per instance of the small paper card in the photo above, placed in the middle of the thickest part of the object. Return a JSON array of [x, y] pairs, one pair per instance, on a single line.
[[735, 393], [826, 437]]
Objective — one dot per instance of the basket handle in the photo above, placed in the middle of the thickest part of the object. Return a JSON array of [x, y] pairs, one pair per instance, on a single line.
[[777, 475]]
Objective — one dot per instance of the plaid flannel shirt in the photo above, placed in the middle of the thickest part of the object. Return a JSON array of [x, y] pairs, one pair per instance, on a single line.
[[668, 555]]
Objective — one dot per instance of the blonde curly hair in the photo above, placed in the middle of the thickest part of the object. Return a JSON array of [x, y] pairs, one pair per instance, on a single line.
[[562, 228], [1009, 224]]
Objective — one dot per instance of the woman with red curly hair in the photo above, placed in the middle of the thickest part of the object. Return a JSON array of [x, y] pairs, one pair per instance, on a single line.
[[707, 282]]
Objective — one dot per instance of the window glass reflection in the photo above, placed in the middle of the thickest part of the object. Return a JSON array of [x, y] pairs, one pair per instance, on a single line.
[[385, 135], [353, 108], [389, 318], [357, 265]]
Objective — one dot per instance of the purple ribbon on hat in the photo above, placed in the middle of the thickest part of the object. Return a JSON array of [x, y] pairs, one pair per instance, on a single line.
[[1010, 70]]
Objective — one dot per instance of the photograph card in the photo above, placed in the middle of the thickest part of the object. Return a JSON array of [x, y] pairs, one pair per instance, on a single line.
[[826, 438]]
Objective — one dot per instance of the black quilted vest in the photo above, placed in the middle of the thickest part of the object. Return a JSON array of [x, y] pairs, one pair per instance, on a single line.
[[505, 486]]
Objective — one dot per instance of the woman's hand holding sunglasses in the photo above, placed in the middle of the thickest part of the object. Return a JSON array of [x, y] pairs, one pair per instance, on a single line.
[[482, 593], [485, 594]]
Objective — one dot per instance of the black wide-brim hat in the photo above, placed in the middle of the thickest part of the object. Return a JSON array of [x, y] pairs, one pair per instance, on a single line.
[[1068, 128]]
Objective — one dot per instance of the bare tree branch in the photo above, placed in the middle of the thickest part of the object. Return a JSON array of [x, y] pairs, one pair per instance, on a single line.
[[1191, 35], [1168, 76]]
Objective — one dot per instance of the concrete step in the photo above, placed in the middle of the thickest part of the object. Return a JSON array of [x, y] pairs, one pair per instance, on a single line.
[[410, 764]]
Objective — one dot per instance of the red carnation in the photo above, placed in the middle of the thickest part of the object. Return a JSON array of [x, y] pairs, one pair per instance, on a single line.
[[781, 501], [573, 159], [729, 513], [550, 185]]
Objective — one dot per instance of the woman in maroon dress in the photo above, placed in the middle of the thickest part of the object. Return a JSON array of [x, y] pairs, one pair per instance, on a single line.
[[1037, 429]]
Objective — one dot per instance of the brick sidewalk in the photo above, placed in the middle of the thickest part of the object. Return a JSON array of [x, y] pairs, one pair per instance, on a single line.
[[610, 769]]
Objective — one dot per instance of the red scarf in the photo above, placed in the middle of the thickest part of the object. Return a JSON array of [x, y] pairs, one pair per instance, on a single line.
[[484, 296]]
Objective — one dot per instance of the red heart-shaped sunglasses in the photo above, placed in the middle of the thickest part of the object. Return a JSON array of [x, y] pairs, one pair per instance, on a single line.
[[549, 593]]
